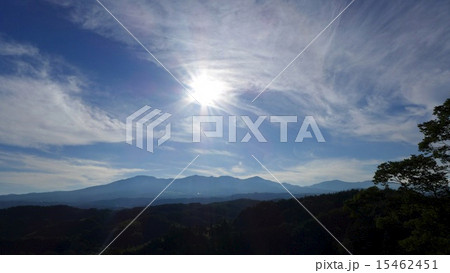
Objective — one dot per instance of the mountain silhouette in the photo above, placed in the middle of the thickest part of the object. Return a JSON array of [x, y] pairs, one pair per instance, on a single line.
[[140, 190]]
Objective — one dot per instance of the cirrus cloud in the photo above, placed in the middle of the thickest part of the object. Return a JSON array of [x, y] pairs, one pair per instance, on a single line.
[[40, 105]]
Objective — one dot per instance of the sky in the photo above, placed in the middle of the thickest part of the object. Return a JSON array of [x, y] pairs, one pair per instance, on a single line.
[[70, 75]]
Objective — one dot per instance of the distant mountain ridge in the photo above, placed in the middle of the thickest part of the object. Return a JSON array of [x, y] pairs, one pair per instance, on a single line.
[[139, 190]]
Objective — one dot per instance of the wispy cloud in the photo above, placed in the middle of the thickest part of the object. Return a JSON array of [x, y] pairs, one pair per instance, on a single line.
[[23, 173], [345, 169], [238, 169], [42, 105], [303, 174], [374, 74], [211, 151], [16, 49]]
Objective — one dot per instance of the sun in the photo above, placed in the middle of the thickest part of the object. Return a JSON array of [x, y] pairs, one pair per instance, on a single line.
[[206, 90]]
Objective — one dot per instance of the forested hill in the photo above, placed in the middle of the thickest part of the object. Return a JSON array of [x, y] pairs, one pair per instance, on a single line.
[[371, 221]]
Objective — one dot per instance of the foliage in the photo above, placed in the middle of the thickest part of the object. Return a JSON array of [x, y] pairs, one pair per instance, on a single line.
[[371, 221], [426, 173], [436, 132], [399, 222], [419, 172]]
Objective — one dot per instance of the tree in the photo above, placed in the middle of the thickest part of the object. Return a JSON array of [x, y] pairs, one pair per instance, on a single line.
[[436, 132], [420, 173], [426, 173]]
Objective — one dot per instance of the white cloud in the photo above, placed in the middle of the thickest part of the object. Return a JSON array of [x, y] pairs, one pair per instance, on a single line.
[[24, 173], [318, 170], [238, 169], [214, 152], [302, 174], [16, 49], [361, 77], [42, 106]]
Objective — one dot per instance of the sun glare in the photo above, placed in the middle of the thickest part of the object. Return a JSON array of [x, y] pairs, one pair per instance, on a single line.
[[206, 90]]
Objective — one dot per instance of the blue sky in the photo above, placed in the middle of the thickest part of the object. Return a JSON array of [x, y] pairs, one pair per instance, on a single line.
[[70, 75]]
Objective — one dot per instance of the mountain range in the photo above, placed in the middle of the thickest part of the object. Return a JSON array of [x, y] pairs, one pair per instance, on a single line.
[[140, 190]]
